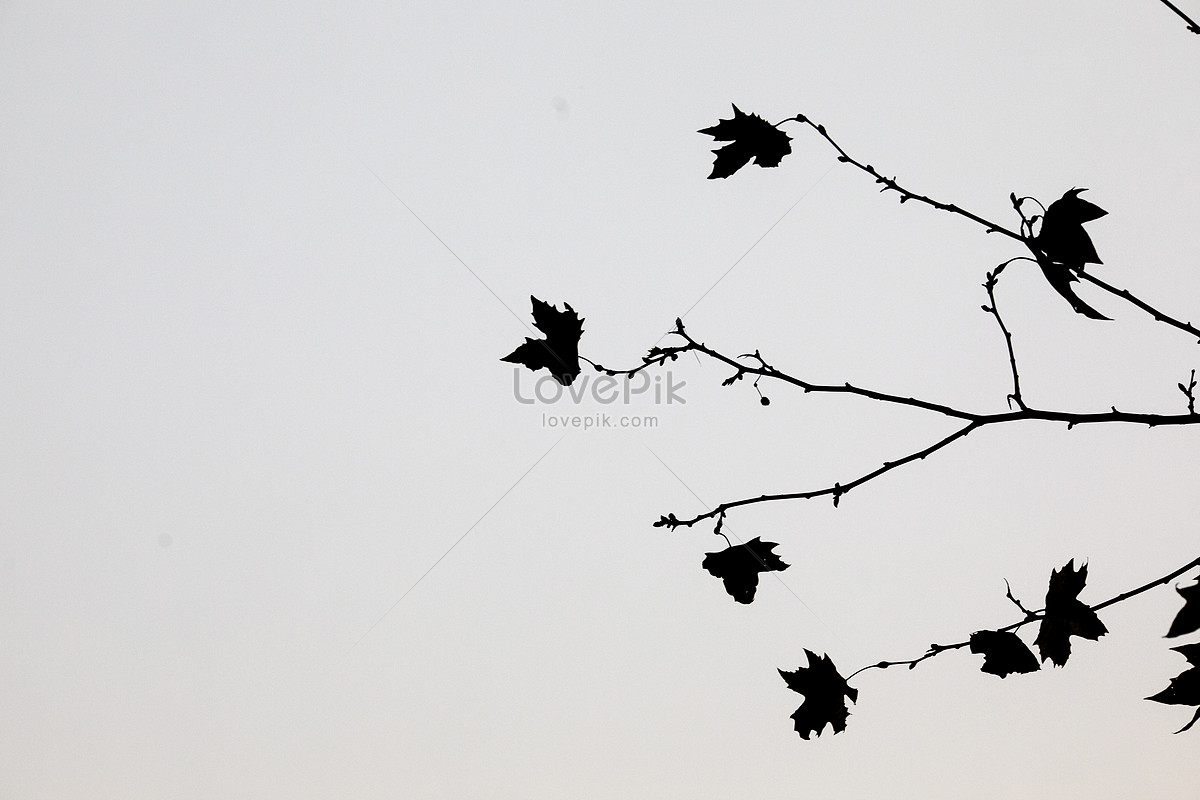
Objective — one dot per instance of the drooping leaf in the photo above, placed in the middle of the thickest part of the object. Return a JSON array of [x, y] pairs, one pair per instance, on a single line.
[[738, 566], [559, 351], [1188, 618], [1066, 615], [1003, 653], [750, 137], [1060, 279], [1184, 688], [825, 692], [1063, 245]]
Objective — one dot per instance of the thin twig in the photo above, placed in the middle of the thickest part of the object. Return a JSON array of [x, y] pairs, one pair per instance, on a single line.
[[976, 422], [1189, 391], [905, 194], [768, 371], [1008, 593], [991, 308], [835, 491]]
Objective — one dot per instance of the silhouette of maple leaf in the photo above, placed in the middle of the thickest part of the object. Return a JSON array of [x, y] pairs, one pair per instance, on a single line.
[[1065, 615], [559, 351], [824, 693], [1003, 653], [1188, 618], [738, 566], [1184, 689], [752, 137], [1063, 245]]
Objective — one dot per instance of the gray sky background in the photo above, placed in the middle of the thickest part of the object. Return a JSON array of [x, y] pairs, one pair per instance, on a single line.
[[249, 398]]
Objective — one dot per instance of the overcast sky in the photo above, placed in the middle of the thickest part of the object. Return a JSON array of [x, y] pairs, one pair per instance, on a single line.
[[260, 261]]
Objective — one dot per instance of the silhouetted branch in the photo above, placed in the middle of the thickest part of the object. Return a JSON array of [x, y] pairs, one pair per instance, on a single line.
[[1125, 294], [905, 194], [1030, 616], [1060, 248], [656, 357], [1189, 391], [767, 371], [1147, 586], [1008, 593], [835, 491], [1191, 23], [974, 420], [991, 308], [1025, 235]]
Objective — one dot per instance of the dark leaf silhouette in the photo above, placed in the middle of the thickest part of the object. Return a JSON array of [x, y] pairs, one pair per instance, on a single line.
[[1062, 237], [738, 566], [751, 137], [1066, 616], [824, 693], [1003, 653], [1188, 618], [1184, 689], [559, 351], [1063, 245], [1060, 279]]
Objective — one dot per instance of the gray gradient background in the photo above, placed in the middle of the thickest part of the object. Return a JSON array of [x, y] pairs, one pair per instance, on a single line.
[[248, 399]]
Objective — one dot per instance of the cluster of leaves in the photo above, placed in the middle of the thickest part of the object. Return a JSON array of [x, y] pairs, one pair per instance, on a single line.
[[738, 566], [1061, 247], [1184, 689], [1004, 653]]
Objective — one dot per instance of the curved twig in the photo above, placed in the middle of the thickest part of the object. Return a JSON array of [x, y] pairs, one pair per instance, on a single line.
[[991, 308], [905, 194]]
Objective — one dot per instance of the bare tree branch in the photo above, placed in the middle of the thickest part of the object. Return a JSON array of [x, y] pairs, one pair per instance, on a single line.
[[974, 420], [1125, 294], [905, 194], [1191, 23], [1030, 616], [991, 308], [1025, 235]]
